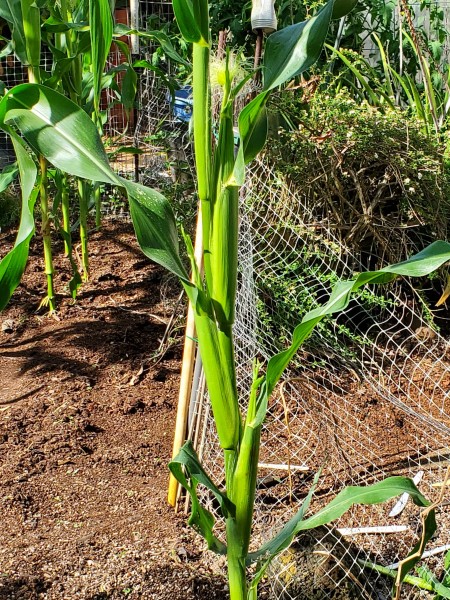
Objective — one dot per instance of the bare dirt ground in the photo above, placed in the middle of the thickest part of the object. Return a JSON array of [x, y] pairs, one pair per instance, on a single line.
[[87, 410]]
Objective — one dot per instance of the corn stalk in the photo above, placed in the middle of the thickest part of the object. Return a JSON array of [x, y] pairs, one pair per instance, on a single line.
[[31, 19]]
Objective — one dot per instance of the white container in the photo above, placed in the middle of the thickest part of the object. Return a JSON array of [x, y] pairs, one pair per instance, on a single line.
[[263, 16]]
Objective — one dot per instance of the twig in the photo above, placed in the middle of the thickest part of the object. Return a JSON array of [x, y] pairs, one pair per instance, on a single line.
[[281, 467], [23, 396]]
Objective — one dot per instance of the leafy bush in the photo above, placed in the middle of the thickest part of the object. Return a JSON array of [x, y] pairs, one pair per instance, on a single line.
[[373, 180], [376, 172]]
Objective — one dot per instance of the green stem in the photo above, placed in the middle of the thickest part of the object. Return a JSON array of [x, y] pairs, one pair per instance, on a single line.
[[221, 381], [65, 209], [98, 205], [202, 142], [237, 580], [46, 234], [241, 491], [410, 579], [83, 194]]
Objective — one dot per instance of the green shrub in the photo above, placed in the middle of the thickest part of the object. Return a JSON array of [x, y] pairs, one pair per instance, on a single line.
[[374, 172], [366, 187]]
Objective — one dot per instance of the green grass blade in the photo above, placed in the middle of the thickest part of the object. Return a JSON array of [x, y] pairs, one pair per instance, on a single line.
[[386, 69], [371, 94]]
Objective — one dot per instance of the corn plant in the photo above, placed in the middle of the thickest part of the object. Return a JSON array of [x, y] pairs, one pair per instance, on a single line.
[[66, 136], [78, 35]]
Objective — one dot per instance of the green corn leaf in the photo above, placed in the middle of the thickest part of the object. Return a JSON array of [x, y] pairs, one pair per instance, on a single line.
[[154, 224], [192, 19], [349, 496], [11, 11], [128, 91], [13, 264], [61, 184], [252, 134], [7, 176], [101, 34], [201, 519], [61, 131], [294, 49], [419, 265], [269, 551], [7, 49], [57, 128], [56, 25], [31, 16]]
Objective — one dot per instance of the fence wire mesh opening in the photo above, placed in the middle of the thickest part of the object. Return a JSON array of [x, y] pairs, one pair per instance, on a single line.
[[367, 397]]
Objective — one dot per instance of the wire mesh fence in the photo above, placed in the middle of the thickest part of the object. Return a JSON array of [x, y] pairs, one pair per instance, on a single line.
[[367, 397]]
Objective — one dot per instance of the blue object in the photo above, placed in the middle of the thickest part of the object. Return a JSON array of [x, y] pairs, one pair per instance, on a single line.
[[182, 104]]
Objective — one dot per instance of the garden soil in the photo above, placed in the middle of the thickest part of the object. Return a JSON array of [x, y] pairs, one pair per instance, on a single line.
[[87, 413]]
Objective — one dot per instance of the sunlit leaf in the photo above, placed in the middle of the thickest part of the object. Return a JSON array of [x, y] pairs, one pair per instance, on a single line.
[[294, 49], [201, 519], [61, 131]]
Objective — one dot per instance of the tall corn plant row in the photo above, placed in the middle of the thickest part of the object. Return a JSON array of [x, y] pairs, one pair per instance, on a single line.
[[65, 34], [67, 137]]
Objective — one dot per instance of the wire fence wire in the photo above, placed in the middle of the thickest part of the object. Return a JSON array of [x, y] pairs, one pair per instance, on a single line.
[[367, 397]]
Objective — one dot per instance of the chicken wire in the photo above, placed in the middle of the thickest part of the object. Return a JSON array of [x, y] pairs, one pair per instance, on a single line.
[[367, 397]]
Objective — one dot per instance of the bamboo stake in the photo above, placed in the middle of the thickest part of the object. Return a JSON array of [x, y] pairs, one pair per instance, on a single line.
[[187, 369]]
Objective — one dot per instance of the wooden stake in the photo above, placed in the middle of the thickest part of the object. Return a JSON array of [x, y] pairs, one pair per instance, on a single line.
[[187, 369]]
